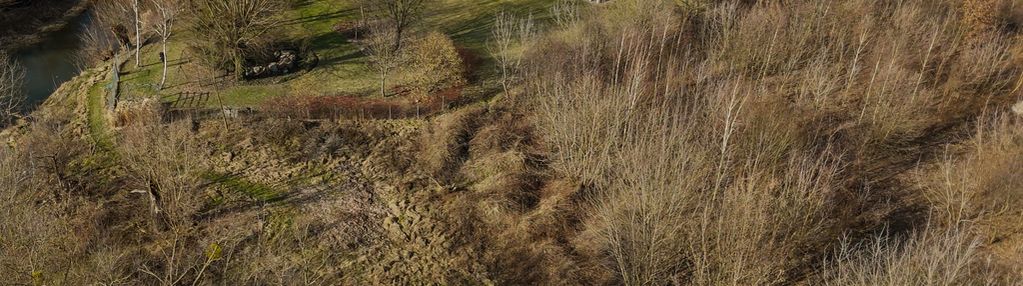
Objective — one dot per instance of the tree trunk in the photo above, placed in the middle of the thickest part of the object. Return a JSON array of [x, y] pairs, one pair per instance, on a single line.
[[239, 72], [383, 83], [504, 78], [163, 79], [397, 39], [158, 216], [138, 35]]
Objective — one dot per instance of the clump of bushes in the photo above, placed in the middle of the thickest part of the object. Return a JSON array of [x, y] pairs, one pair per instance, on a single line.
[[434, 64]]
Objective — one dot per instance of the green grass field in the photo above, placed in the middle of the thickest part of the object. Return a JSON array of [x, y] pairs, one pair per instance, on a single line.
[[343, 68], [99, 128]]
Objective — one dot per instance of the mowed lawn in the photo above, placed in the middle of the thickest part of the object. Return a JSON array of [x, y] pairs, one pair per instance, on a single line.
[[343, 69]]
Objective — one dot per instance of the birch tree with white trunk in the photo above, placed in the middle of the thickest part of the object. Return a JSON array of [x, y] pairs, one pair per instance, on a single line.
[[136, 8], [166, 14]]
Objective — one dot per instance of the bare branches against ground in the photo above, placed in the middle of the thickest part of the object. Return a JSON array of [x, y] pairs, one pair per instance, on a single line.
[[234, 25], [12, 76], [400, 15]]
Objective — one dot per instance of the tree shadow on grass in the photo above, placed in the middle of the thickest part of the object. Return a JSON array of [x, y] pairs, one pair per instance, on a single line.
[[257, 195], [328, 41], [333, 61], [316, 18], [335, 50]]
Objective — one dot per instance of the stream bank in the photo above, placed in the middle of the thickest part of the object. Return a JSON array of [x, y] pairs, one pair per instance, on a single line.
[[49, 55]]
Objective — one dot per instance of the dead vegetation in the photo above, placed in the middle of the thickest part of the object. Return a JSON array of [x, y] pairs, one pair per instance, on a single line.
[[739, 146], [641, 143], [12, 76]]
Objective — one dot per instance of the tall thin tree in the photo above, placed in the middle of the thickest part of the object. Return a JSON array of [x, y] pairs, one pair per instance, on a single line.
[[166, 13], [509, 34], [136, 8], [382, 55]]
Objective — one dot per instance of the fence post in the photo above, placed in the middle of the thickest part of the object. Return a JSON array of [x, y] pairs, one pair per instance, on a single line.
[[223, 110]]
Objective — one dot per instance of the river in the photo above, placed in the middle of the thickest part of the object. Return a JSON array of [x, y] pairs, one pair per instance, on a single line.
[[52, 62]]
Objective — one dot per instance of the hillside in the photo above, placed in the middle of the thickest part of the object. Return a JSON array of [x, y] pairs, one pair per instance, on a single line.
[[527, 142]]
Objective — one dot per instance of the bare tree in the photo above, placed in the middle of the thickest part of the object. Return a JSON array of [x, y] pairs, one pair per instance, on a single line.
[[161, 160], [564, 12], [401, 14], [234, 24], [509, 33], [11, 76], [383, 57], [166, 14], [135, 8]]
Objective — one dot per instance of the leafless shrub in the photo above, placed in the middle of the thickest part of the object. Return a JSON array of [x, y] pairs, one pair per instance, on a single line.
[[45, 175], [676, 172], [565, 12], [116, 17], [56, 155], [978, 184], [379, 46], [12, 75], [165, 165], [678, 125], [33, 228], [507, 46], [945, 258], [97, 44], [279, 132]]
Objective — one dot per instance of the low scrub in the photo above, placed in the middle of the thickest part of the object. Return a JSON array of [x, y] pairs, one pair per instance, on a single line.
[[735, 143]]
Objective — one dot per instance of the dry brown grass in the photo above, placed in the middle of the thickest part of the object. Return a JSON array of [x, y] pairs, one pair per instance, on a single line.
[[653, 143], [164, 164], [975, 189], [943, 258], [446, 141], [734, 148]]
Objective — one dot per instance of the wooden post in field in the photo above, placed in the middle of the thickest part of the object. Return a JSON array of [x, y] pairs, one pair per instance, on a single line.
[[223, 110]]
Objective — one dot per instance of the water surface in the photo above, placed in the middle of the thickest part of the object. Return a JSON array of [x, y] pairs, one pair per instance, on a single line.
[[52, 62]]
